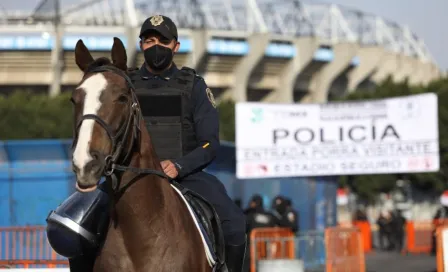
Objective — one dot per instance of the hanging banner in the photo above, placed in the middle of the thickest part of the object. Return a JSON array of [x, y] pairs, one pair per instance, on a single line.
[[397, 135]]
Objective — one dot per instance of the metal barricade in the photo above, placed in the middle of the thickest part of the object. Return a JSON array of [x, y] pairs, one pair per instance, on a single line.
[[344, 250], [270, 243], [419, 236], [27, 247], [278, 247], [33, 263]]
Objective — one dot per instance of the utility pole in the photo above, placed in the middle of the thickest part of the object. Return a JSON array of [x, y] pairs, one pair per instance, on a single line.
[[57, 53], [50, 10]]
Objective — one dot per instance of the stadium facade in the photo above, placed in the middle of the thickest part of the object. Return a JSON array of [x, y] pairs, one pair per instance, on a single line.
[[255, 50]]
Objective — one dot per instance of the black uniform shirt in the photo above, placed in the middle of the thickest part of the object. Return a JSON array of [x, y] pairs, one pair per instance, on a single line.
[[206, 123]]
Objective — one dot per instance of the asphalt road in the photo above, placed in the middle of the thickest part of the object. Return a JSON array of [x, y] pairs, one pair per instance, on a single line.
[[395, 262]]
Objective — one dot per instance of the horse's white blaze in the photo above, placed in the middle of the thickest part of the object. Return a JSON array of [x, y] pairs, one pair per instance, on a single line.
[[93, 87]]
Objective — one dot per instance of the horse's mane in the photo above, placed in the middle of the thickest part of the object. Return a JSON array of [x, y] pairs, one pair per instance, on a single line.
[[102, 61]]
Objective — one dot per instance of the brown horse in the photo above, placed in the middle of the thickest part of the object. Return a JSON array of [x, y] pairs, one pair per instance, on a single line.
[[151, 228]]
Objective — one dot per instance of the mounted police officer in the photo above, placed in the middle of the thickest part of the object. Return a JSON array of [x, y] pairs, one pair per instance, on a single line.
[[181, 116]]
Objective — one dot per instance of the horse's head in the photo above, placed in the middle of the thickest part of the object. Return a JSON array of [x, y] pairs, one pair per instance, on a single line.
[[105, 109]]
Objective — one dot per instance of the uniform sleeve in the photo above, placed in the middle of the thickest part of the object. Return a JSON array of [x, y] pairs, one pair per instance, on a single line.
[[289, 220], [206, 125]]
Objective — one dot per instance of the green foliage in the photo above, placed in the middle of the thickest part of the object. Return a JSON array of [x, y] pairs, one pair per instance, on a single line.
[[26, 115], [227, 120], [369, 185]]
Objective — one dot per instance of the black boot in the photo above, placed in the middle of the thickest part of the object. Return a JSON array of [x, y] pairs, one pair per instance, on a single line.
[[235, 256]]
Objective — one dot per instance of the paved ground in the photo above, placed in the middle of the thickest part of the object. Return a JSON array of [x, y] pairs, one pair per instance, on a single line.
[[394, 262]]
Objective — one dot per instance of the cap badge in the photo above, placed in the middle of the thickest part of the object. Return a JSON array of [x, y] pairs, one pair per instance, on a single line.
[[156, 20]]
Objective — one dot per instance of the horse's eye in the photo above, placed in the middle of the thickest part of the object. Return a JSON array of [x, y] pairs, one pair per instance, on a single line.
[[122, 99], [72, 101]]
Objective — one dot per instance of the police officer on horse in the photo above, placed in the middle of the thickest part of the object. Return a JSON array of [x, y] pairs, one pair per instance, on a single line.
[[180, 113]]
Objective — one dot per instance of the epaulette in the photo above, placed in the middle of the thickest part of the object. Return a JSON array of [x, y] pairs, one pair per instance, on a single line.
[[189, 70]]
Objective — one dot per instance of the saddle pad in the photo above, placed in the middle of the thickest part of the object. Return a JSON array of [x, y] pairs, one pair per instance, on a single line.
[[211, 258]]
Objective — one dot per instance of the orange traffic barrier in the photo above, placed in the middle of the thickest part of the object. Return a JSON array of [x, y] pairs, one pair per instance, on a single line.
[[344, 250], [442, 229], [271, 243], [439, 249], [366, 234]]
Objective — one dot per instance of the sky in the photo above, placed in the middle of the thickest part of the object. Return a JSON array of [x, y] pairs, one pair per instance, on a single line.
[[426, 18]]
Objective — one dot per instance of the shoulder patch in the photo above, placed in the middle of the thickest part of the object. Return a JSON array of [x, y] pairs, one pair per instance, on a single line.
[[211, 98], [291, 216]]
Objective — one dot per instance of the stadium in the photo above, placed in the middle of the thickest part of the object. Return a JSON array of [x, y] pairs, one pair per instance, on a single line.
[[273, 51], [281, 52]]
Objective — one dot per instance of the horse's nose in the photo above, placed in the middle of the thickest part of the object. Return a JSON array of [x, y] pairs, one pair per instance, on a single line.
[[96, 165]]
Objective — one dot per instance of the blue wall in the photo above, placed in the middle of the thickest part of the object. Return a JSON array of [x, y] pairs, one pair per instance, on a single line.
[[35, 177]]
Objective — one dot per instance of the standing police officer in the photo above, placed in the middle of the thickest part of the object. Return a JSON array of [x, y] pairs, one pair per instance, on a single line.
[[286, 217], [257, 216], [292, 216], [181, 115]]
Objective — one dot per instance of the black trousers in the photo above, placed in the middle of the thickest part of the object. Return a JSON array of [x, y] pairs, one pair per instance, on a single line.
[[232, 218]]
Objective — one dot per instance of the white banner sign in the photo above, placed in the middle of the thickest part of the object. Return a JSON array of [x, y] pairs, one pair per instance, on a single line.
[[397, 135]]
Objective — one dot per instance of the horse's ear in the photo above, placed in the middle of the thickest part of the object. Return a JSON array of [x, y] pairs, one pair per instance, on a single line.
[[82, 56], [119, 57]]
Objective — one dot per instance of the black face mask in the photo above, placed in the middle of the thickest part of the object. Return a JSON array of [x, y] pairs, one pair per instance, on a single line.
[[158, 57]]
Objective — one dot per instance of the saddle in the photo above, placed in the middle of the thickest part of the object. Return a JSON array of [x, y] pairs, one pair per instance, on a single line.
[[209, 221]]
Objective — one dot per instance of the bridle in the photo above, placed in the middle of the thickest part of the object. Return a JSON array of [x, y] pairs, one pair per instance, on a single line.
[[118, 139]]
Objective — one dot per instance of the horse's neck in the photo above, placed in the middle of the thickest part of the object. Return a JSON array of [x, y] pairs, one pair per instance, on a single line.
[[145, 195]]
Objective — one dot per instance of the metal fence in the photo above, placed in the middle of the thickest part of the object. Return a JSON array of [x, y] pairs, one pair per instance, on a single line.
[[27, 247], [333, 250]]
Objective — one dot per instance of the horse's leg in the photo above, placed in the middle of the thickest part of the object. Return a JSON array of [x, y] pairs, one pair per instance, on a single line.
[[82, 264]]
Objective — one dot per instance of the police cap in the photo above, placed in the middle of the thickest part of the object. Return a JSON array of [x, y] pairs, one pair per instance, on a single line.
[[161, 24]]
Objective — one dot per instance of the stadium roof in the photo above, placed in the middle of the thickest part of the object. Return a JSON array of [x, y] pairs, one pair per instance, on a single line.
[[331, 23]]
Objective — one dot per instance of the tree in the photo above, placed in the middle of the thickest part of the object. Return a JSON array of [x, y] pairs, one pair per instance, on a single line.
[[226, 110], [35, 116]]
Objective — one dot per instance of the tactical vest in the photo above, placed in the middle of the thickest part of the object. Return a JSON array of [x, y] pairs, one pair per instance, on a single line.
[[167, 110]]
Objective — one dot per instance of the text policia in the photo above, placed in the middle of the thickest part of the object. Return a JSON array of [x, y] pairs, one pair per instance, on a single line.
[[356, 134]]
